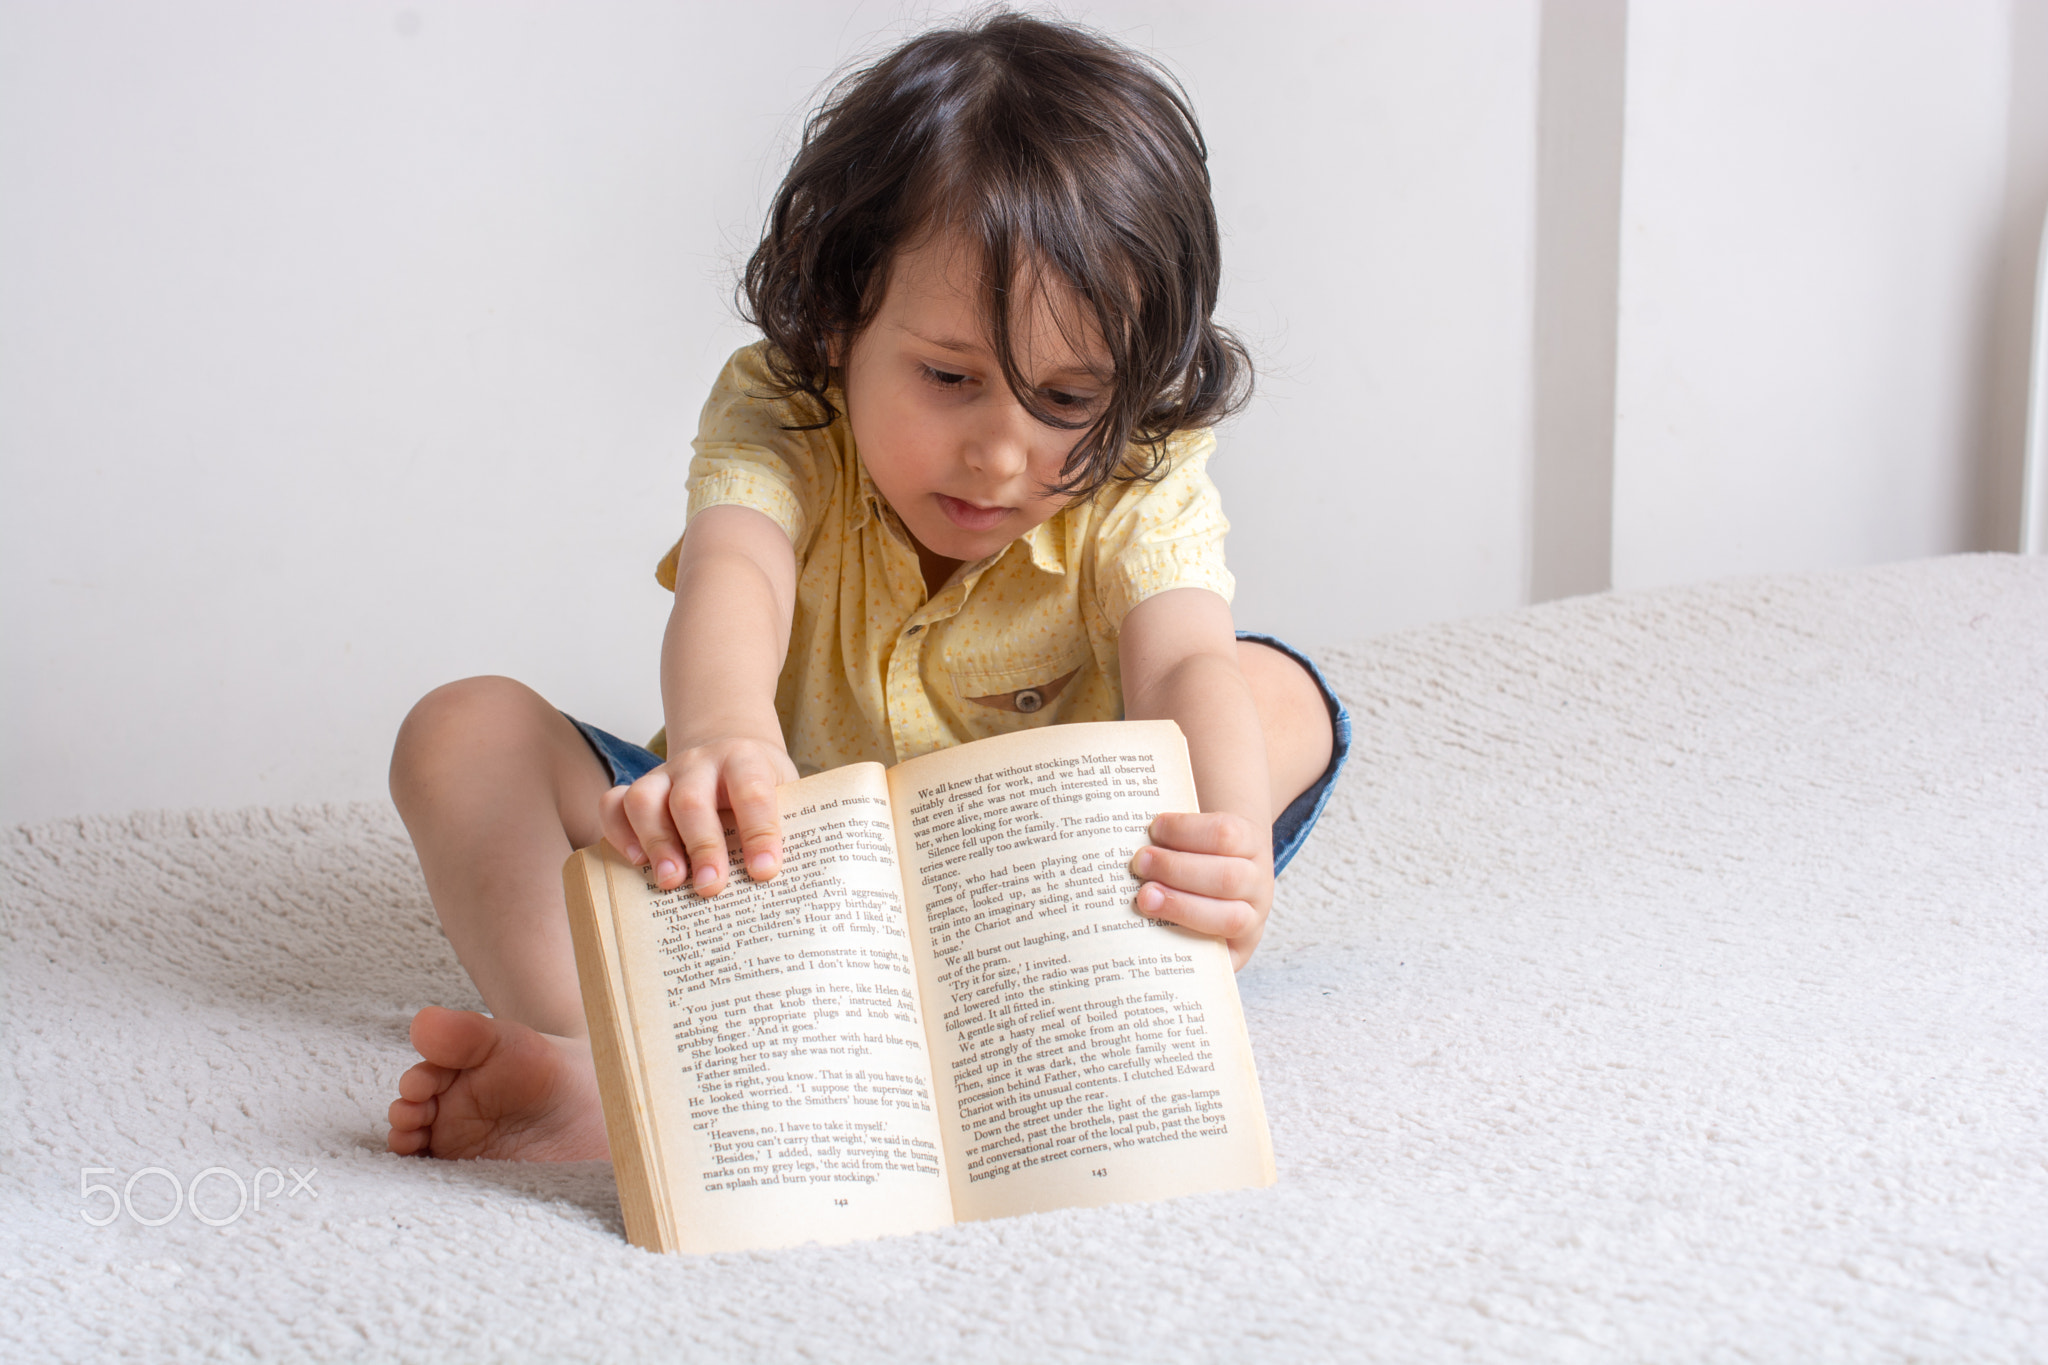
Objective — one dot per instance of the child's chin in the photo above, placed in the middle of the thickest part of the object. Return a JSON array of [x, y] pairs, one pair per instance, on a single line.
[[954, 542]]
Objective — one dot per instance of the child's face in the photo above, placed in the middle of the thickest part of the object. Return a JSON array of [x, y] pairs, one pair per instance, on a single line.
[[943, 437]]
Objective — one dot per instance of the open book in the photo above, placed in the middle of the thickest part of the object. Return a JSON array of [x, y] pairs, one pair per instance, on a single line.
[[944, 1008]]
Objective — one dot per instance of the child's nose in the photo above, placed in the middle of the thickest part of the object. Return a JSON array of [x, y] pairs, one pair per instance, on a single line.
[[1000, 447]]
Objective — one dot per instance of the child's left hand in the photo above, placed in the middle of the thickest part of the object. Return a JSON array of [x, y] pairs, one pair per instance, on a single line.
[[1212, 873]]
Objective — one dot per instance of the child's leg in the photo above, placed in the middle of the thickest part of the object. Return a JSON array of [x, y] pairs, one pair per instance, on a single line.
[[496, 788], [1296, 720]]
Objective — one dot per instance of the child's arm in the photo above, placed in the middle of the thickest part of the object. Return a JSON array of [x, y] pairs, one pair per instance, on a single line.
[[1213, 871], [727, 634]]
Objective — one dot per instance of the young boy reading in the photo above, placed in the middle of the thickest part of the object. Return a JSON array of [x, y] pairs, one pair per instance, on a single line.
[[957, 490]]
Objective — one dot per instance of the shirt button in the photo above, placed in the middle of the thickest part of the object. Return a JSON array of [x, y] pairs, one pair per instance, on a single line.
[[913, 630], [1029, 700]]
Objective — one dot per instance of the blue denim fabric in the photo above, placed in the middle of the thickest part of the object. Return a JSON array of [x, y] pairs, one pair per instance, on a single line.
[[1291, 826], [629, 761]]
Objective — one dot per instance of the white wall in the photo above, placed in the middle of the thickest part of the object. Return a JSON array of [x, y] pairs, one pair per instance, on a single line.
[[350, 348], [1812, 202], [1374, 171], [346, 349], [2010, 371]]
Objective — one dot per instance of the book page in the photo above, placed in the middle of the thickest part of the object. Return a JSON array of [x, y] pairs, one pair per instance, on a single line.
[[1083, 1053], [780, 1040]]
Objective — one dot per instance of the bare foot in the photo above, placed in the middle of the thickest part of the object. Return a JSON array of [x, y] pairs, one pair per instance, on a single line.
[[492, 1088]]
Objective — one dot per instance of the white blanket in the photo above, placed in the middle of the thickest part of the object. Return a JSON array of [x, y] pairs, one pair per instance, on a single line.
[[1667, 981]]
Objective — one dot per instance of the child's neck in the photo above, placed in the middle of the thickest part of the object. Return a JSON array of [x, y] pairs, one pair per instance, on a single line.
[[936, 569]]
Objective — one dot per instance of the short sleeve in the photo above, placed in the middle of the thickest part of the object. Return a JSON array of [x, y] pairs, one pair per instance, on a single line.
[[747, 454], [1163, 533]]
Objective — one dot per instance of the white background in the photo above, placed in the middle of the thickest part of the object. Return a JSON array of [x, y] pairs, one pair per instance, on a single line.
[[1811, 202], [349, 348]]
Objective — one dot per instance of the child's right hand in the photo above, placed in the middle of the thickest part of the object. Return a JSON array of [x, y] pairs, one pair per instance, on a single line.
[[669, 819]]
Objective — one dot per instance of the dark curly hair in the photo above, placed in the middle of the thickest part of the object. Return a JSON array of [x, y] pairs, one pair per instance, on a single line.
[[1048, 147]]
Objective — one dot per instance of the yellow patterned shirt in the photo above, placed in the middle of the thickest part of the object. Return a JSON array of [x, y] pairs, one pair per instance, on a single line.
[[880, 670]]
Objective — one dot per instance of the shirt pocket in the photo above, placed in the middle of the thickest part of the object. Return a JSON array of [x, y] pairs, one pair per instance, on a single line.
[[1027, 687]]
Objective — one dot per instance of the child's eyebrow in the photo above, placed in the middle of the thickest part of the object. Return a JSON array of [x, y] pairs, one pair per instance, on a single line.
[[944, 343]]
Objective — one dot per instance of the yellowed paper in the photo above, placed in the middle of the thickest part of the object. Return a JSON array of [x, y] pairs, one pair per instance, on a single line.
[[781, 1042], [1082, 1053]]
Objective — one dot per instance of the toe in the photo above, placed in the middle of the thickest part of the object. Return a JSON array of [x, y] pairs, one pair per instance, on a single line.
[[424, 1080], [455, 1039], [405, 1114], [407, 1141]]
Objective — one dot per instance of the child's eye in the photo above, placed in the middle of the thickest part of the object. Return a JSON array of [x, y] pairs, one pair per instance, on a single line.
[[943, 379], [1060, 398]]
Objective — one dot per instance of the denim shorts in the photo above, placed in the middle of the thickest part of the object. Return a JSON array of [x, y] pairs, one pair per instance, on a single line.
[[629, 761]]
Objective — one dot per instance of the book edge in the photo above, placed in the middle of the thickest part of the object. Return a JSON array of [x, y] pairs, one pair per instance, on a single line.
[[613, 1053]]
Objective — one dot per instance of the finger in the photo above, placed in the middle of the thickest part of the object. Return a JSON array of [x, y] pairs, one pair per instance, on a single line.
[[1244, 945], [750, 793], [1218, 832], [1204, 874], [694, 808], [1226, 919], [618, 830], [646, 806]]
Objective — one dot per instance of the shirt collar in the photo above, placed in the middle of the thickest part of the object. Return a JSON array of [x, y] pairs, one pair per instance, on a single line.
[[1048, 545], [867, 502]]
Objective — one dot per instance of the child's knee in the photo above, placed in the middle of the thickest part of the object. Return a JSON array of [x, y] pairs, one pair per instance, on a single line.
[[1281, 688], [1300, 730], [451, 725]]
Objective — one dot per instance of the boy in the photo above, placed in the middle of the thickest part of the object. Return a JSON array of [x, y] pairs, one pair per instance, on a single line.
[[897, 541]]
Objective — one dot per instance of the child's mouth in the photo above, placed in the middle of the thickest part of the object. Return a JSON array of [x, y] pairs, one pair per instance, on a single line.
[[968, 517]]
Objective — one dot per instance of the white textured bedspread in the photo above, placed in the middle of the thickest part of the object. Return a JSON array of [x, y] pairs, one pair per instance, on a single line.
[[1668, 980]]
